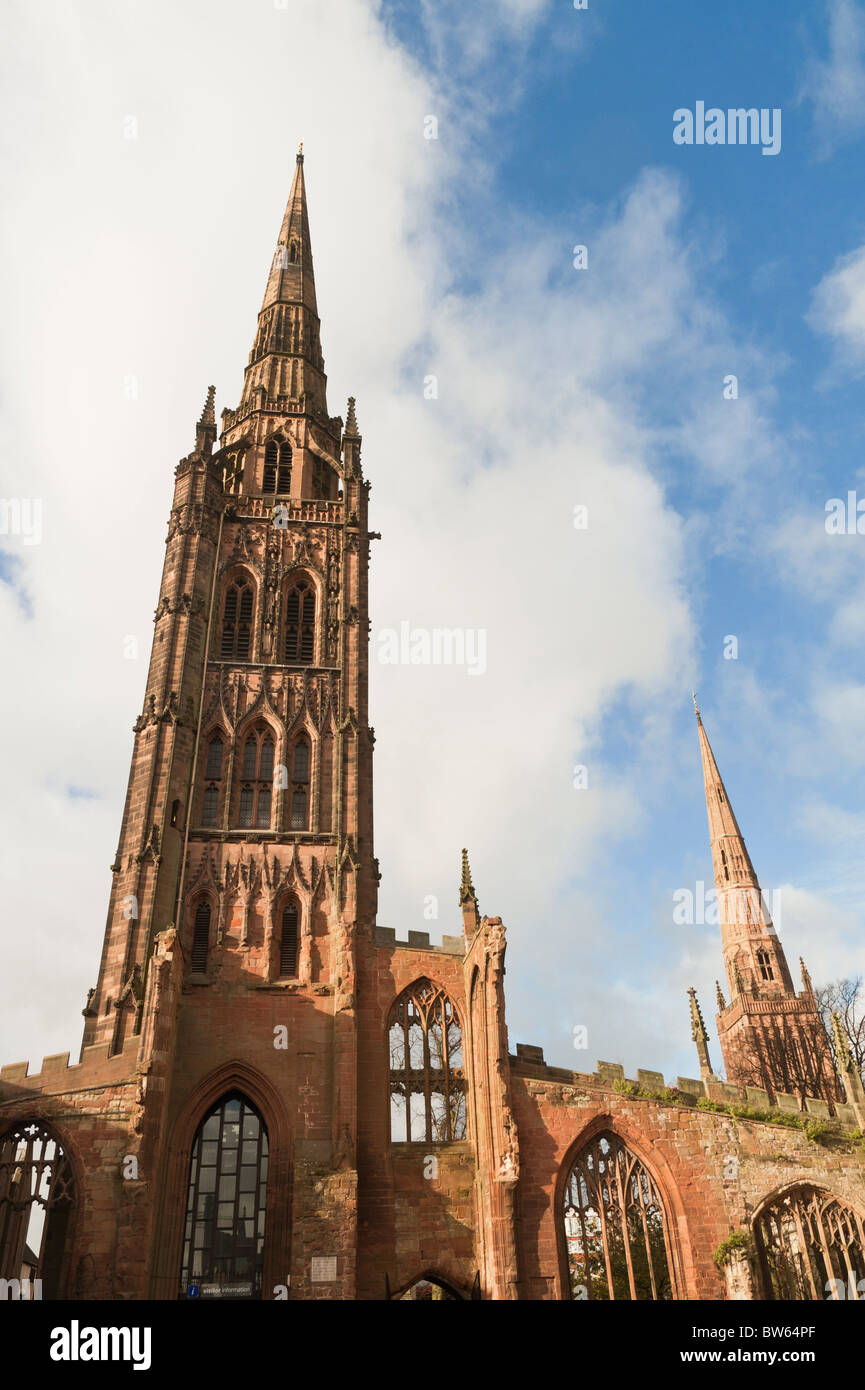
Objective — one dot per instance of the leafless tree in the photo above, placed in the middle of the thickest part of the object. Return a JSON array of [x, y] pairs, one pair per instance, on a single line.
[[846, 998]]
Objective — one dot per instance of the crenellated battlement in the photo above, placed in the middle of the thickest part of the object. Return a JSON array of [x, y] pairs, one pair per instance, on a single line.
[[419, 941], [686, 1091], [56, 1074]]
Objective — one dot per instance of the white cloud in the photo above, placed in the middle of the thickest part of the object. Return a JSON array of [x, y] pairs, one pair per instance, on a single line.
[[836, 84], [147, 258], [838, 306]]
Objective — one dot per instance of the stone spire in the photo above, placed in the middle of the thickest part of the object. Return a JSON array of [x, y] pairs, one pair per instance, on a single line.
[[700, 1036], [286, 367], [468, 899], [747, 931], [770, 1037], [722, 1003]]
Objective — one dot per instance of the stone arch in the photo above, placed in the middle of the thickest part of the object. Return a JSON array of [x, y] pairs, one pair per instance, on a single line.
[[234, 1075], [807, 1241], [432, 1277], [425, 1038], [40, 1183], [258, 722], [660, 1176], [206, 813], [239, 593], [291, 647], [194, 954]]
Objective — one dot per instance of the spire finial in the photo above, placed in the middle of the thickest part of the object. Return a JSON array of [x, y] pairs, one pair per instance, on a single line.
[[468, 900], [722, 1003], [300, 153], [208, 416], [842, 1046], [698, 1027], [467, 889], [351, 418], [205, 430], [806, 978], [699, 1035], [696, 706]]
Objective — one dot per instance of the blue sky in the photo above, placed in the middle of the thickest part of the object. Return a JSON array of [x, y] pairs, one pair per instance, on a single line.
[[556, 387]]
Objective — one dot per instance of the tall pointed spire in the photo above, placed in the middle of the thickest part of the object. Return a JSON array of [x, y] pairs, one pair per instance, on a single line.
[[291, 279], [770, 1036], [286, 367], [724, 831]]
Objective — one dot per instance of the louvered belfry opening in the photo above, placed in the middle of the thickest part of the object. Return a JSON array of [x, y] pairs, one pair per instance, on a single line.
[[201, 938], [277, 467], [288, 941], [237, 621], [299, 647]]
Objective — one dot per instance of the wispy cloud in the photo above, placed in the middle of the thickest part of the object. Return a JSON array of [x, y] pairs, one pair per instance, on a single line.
[[838, 306], [835, 83]]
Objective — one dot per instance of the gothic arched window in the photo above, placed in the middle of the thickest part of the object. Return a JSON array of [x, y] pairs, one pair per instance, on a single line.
[[288, 940], [201, 938], [213, 779], [237, 620], [277, 466], [810, 1246], [299, 645], [256, 791], [37, 1198], [427, 1081], [223, 1241], [615, 1229], [299, 785]]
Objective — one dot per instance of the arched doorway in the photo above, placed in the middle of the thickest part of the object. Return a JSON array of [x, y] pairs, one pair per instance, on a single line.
[[429, 1288], [37, 1201], [223, 1239], [810, 1245], [615, 1225]]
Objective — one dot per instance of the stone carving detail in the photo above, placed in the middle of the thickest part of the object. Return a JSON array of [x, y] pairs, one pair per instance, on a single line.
[[331, 617]]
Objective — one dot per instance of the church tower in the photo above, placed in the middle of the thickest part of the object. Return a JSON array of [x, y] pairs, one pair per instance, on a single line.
[[771, 1037], [247, 830]]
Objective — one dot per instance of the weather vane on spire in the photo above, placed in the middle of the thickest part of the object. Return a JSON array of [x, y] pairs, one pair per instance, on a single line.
[[696, 706], [300, 148]]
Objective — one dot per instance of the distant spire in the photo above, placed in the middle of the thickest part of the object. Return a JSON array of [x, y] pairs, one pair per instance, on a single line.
[[723, 826], [205, 430], [699, 1035]]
